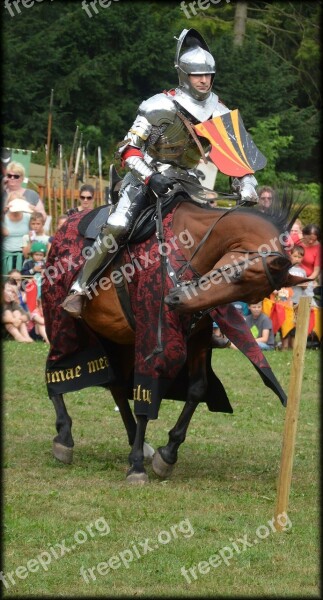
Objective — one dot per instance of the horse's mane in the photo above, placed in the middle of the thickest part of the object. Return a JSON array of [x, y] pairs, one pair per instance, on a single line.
[[283, 211]]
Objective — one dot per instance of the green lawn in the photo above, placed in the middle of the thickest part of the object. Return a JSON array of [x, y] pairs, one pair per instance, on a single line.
[[218, 502]]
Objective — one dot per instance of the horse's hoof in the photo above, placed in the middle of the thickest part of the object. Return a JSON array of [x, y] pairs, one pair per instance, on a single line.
[[63, 453], [148, 452], [137, 478], [160, 467]]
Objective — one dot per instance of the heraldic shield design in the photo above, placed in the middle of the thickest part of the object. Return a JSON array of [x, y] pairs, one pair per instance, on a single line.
[[233, 151]]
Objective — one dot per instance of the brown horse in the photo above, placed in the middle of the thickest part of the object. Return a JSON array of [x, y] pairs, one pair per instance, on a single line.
[[235, 254]]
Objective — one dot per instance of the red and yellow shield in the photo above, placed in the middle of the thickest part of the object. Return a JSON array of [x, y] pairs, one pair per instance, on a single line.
[[233, 151]]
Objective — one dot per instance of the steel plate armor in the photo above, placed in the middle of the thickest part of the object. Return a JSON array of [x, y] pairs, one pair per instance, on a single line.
[[161, 145]]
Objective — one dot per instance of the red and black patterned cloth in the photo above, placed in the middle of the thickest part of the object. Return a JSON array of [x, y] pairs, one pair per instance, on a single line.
[[154, 375], [78, 357]]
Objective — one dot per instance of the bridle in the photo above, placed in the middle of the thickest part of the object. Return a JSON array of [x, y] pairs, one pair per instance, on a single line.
[[178, 281], [176, 277]]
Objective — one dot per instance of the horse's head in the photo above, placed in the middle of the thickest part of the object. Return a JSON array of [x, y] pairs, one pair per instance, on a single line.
[[252, 266], [249, 278]]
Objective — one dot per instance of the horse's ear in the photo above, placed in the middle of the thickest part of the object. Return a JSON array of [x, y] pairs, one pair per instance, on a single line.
[[292, 280]]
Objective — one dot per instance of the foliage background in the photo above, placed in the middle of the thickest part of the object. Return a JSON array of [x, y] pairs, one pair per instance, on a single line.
[[102, 67]]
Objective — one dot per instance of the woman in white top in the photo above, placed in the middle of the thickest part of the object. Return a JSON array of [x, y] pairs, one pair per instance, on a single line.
[[15, 225], [13, 180]]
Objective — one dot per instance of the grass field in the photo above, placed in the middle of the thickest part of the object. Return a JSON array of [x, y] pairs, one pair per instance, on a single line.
[[218, 503]]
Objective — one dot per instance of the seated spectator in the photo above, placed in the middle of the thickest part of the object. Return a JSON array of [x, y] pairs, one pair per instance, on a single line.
[[15, 278], [36, 264], [36, 325], [14, 318], [266, 197], [15, 225], [261, 327], [13, 183], [36, 233], [311, 237]]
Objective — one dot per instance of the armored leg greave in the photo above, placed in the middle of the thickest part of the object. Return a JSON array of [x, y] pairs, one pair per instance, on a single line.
[[132, 201]]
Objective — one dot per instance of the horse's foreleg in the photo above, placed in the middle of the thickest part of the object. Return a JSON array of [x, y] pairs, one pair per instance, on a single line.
[[121, 399], [137, 472], [63, 442], [166, 456]]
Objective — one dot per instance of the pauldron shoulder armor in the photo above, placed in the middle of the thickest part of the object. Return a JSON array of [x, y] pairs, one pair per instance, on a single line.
[[158, 109], [152, 113]]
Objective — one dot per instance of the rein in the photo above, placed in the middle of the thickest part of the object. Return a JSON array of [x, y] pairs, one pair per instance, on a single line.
[[160, 237]]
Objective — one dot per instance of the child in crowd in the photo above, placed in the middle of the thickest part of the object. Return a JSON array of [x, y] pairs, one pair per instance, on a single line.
[[303, 289], [60, 221], [291, 296], [15, 278], [14, 318], [36, 325], [35, 265], [36, 233], [261, 327]]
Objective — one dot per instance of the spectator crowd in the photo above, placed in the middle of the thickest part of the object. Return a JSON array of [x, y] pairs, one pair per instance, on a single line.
[[25, 246], [26, 242]]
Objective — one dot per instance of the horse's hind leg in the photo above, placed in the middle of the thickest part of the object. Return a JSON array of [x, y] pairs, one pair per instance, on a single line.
[[63, 443], [121, 399], [137, 472]]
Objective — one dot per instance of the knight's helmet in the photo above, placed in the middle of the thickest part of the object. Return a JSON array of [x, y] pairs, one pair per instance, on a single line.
[[193, 57]]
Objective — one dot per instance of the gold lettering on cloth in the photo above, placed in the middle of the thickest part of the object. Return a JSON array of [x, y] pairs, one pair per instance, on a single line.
[[142, 394], [97, 364], [63, 374]]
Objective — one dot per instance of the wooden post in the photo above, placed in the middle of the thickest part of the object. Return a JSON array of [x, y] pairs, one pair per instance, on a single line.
[[70, 168], [49, 134], [61, 178], [292, 409], [100, 174]]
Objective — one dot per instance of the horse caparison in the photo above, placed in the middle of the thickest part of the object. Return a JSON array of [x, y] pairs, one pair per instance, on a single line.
[[237, 254]]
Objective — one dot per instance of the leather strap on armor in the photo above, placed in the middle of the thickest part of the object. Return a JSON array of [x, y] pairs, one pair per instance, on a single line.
[[193, 134]]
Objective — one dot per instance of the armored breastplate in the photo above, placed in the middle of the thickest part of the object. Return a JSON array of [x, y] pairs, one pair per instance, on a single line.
[[175, 145]]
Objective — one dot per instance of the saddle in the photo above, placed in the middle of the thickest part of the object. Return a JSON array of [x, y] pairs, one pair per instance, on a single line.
[[185, 189]]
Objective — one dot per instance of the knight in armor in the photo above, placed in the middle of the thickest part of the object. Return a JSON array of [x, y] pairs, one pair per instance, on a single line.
[[160, 149]]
